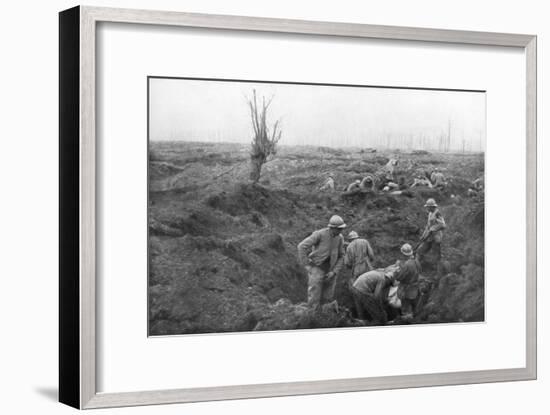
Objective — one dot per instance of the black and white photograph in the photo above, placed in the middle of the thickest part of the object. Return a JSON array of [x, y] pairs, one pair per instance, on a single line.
[[285, 205]]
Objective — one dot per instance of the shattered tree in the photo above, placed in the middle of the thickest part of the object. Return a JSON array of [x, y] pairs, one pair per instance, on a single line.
[[264, 142]]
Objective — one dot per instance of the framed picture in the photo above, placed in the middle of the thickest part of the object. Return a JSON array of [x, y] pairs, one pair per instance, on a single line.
[[254, 207]]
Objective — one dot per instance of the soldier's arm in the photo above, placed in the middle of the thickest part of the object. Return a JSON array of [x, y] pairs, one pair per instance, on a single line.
[[340, 261], [370, 252], [304, 247], [440, 223]]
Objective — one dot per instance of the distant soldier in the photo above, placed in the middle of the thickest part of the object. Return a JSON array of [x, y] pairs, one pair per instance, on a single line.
[[407, 276], [328, 185], [421, 180], [322, 254], [367, 183], [353, 186], [476, 187], [390, 167], [433, 232], [438, 179], [359, 255]]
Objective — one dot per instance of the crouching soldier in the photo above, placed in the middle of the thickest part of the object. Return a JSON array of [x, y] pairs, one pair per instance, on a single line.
[[322, 254], [433, 232], [407, 276], [328, 185], [359, 255], [370, 291]]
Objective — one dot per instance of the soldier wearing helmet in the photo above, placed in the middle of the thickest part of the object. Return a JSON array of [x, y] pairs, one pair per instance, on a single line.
[[322, 254], [407, 276], [359, 255], [368, 182], [355, 185], [433, 232]]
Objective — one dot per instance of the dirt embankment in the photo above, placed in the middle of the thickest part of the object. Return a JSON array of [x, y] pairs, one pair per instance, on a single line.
[[223, 252]]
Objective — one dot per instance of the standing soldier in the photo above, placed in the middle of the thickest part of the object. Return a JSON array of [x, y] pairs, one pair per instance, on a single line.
[[433, 233], [322, 254], [407, 276], [359, 255]]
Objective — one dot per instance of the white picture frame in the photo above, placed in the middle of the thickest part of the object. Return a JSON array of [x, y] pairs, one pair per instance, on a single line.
[[78, 163]]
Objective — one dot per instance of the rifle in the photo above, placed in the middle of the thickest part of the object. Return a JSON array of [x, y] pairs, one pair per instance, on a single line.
[[421, 240]]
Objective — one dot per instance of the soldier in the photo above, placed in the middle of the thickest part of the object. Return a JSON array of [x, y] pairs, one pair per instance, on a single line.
[[407, 276], [329, 184], [370, 292], [421, 180], [353, 186], [433, 233], [359, 255], [438, 180], [367, 183], [390, 167], [322, 254], [476, 187]]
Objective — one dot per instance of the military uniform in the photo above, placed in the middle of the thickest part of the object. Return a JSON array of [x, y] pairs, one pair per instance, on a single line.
[[358, 257], [408, 275], [321, 253], [432, 235], [369, 293]]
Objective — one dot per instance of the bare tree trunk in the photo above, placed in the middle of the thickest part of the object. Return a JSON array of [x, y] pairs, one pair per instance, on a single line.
[[256, 164], [265, 139]]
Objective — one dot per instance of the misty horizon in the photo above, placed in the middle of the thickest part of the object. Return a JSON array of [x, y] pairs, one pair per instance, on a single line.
[[319, 115]]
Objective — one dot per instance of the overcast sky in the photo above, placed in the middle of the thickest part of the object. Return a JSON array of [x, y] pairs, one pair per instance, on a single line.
[[193, 110]]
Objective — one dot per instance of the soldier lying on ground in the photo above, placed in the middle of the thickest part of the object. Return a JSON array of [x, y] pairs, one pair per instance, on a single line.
[[367, 183], [353, 186], [421, 181]]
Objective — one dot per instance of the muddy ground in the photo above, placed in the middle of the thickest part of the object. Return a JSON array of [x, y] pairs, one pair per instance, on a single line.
[[222, 252]]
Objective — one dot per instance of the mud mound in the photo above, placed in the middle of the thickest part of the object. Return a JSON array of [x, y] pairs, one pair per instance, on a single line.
[[246, 198], [162, 170], [195, 223], [284, 315], [208, 284], [223, 253], [457, 298]]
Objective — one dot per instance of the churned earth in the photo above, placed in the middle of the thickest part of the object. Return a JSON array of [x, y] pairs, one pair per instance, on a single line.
[[222, 251]]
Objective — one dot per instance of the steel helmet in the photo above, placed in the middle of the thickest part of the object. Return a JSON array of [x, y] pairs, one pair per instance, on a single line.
[[353, 235], [407, 250], [430, 202], [336, 222]]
